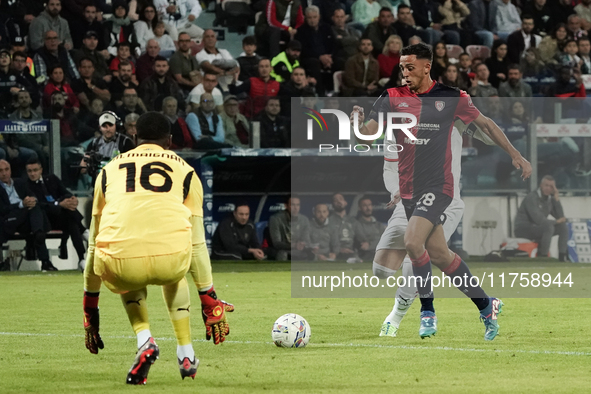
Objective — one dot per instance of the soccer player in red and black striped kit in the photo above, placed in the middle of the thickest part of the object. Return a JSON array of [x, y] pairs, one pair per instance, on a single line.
[[426, 179]]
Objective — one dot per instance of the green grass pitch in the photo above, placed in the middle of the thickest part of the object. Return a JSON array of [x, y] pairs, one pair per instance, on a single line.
[[544, 344]]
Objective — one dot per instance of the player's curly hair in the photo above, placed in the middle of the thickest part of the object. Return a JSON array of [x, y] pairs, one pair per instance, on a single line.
[[153, 126], [421, 51]]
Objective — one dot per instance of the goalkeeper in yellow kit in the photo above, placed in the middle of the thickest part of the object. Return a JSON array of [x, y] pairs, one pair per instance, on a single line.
[[147, 229]]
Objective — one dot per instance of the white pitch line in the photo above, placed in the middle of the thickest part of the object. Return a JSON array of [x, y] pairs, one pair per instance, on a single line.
[[405, 347]]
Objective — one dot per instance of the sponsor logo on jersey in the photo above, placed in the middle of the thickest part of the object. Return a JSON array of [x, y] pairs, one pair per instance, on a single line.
[[403, 105], [439, 105], [421, 208], [420, 141]]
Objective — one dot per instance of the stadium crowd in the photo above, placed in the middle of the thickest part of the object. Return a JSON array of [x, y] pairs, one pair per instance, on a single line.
[[73, 60]]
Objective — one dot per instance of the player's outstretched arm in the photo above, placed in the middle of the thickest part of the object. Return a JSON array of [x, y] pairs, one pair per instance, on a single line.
[[370, 128], [490, 128]]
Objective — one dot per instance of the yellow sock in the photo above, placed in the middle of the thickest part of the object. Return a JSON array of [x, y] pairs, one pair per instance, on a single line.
[[137, 311], [178, 301]]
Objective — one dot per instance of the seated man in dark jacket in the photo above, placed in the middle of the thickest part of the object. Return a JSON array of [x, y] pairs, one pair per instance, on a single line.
[[19, 212], [274, 127], [236, 238], [60, 206]]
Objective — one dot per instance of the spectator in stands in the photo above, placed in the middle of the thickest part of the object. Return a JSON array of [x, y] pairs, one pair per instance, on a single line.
[[569, 56], [345, 225], [440, 61], [167, 47], [19, 212], [50, 20], [531, 66], [206, 126], [584, 46], [28, 144], [380, 30], [283, 64], [57, 83], [466, 66], [89, 49], [60, 207], [543, 14], [51, 55], [145, 26], [325, 235], [406, 26], [482, 20], [179, 16], [361, 72], [481, 87], [574, 27], [346, 39], [23, 110], [131, 104], [119, 29], [453, 77], [274, 127], [498, 64], [564, 87], [366, 11], [181, 136], [368, 229], [426, 13], [300, 232], [145, 63], [280, 21], [130, 126], [121, 82], [235, 238], [280, 234], [90, 116], [23, 79], [9, 83], [9, 27], [317, 49], [158, 86], [583, 10], [236, 126], [259, 89], [217, 61], [389, 59], [89, 87], [183, 66], [88, 23], [248, 61], [208, 85], [453, 13], [514, 87], [508, 19], [70, 134], [297, 86], [521, 40], [518, 114], [532, 220], [123, 55], [554, 43]]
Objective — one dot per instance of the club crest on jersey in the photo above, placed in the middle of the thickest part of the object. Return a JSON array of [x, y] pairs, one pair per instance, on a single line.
[[403, 104], [439, 105]]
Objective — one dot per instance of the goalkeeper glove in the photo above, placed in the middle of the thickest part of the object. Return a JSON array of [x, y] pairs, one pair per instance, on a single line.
[[91, 322], [214, 316]]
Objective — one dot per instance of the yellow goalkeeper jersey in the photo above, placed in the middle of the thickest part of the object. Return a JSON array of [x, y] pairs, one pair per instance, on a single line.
[[143, 200]]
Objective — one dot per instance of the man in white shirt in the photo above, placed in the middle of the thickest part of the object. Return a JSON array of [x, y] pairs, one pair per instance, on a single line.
[[207, 85], [179, 15], [217, 61], [521, 40]]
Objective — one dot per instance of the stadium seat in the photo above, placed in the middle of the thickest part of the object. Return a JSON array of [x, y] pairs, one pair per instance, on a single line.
[[480, 51], [337, 78], [20, 252], [261, 226], [454, 51]]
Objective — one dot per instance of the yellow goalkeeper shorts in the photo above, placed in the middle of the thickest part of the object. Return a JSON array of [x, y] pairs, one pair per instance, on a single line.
[[129, 274]]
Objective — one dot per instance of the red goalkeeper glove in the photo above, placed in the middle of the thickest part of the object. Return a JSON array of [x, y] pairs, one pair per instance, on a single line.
[[91, 322], [214, 316]]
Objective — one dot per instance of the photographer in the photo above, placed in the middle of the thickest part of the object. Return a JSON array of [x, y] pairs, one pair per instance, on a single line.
[[102, 149]]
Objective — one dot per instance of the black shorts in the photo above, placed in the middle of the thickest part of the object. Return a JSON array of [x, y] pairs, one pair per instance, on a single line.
[[430, 205]]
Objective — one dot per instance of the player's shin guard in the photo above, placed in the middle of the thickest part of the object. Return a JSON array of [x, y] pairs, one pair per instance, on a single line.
[[137, 311], [421, 268], [178, 301], [458, 268], [382, 272]]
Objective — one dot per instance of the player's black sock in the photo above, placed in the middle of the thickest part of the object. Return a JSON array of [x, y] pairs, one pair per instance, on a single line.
[[421, 268], [458, 268]]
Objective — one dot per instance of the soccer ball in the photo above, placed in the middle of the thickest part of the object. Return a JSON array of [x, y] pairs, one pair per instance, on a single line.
[[291, 330]]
